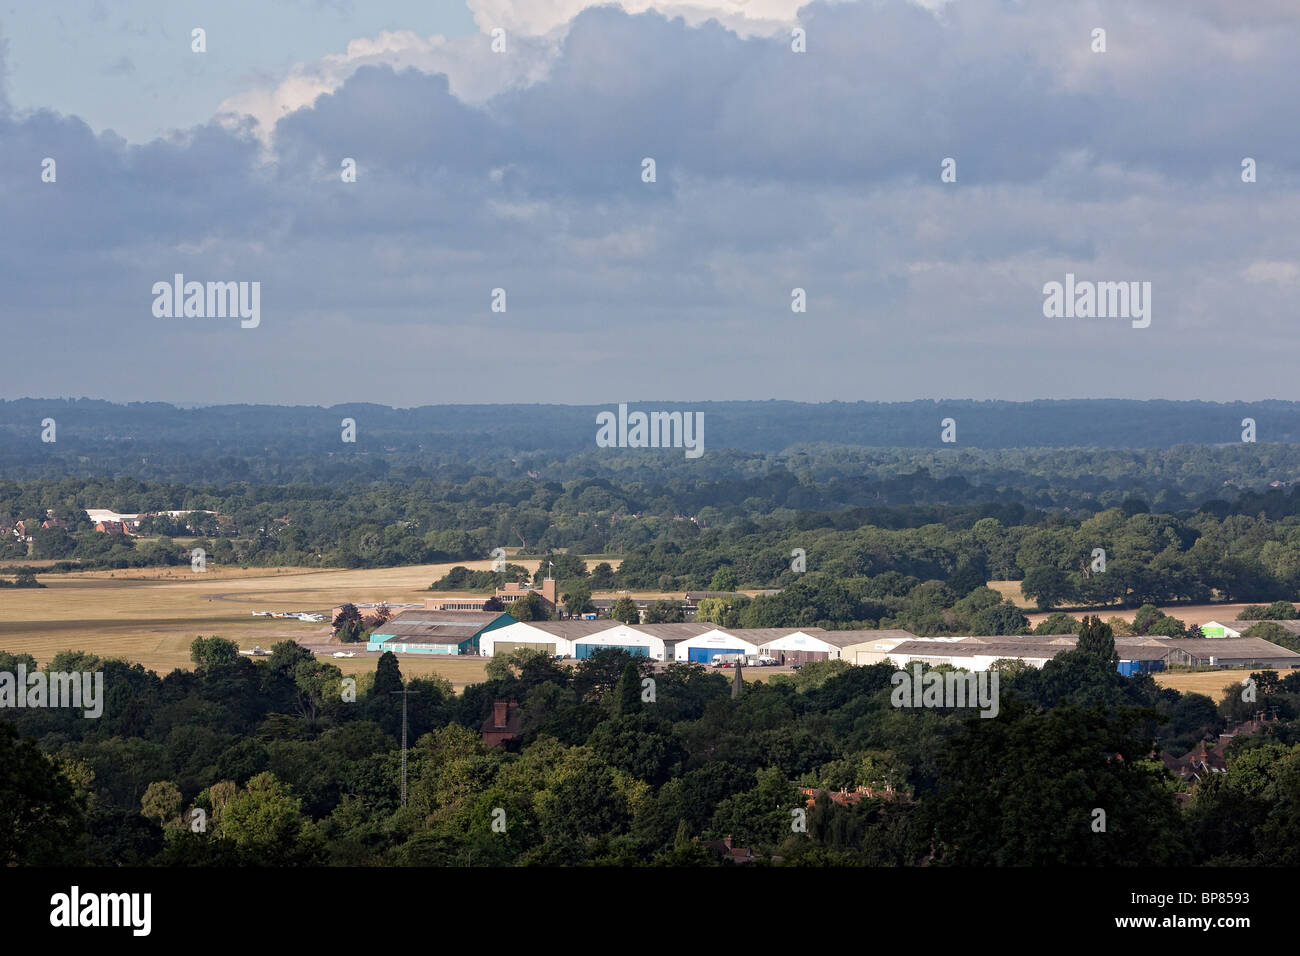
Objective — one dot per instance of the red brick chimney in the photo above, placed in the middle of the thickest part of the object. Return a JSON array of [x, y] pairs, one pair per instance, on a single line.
[[499, 713]]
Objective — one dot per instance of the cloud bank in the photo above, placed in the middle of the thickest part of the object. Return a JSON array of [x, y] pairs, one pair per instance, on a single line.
[[775, 170]]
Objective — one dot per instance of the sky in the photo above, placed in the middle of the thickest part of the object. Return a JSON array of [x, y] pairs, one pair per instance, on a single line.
[[794, 147]]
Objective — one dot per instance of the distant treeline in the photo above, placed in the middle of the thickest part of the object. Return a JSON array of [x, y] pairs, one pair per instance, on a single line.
[[275, 444], [907, 565]]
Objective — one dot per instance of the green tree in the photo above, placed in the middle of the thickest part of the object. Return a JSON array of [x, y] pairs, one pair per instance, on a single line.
[[1058, 623], [1002, 799], [348, 615], [1004, 618], [577, 599], [629, 690], [530, 607], [602, 577], [625, 610], [212, 653], [388, 675], [39, 814], [1096, 640], [162, 803], [1047, 587], [265, 821], [1146, 617], [664, 612], [724, 579]]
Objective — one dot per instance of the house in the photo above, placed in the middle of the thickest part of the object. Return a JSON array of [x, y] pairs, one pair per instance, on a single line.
[[1195, 765], [457, 603], [502, 725], [728, 851], [690, 603], [1246, 728], [851, 798], [513, 591], [436, 632]]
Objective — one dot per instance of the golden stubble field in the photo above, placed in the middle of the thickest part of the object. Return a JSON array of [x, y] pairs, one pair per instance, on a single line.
[[1213, 684], [1187, 613]]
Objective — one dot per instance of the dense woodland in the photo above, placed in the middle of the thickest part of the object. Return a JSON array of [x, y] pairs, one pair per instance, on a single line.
[[288, 771]]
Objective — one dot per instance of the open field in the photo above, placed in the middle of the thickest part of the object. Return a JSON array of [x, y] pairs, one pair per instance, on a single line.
[[1209, 683], [151, 615], [1187, 613]]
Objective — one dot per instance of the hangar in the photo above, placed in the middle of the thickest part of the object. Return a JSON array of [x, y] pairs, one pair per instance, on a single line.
[[549, 637], [436, 632], [701, 648]]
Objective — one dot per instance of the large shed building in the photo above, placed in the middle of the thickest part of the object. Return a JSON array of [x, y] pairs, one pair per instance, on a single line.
[[436, 632], [549, 637]]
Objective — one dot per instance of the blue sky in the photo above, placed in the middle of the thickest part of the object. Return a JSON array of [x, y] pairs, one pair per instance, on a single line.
[[128, 66], [776, 170]]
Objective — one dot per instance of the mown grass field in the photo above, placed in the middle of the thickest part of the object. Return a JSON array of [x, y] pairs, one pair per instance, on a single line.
[[150, 616]]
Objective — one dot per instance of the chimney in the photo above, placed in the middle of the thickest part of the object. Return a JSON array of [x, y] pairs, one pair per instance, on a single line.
[[499, 714]]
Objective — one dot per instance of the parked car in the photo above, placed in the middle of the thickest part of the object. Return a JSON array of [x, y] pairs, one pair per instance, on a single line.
[[796, 667]]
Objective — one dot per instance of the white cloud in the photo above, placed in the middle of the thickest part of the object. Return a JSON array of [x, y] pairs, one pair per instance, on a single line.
[[536, 17], [1283, 272], [473, 77]]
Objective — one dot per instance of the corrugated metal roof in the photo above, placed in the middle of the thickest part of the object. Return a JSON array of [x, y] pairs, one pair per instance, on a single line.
[[421, 615], [572, 628], [438, 633], [674, 632], [761, 635], [1231, 648]]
